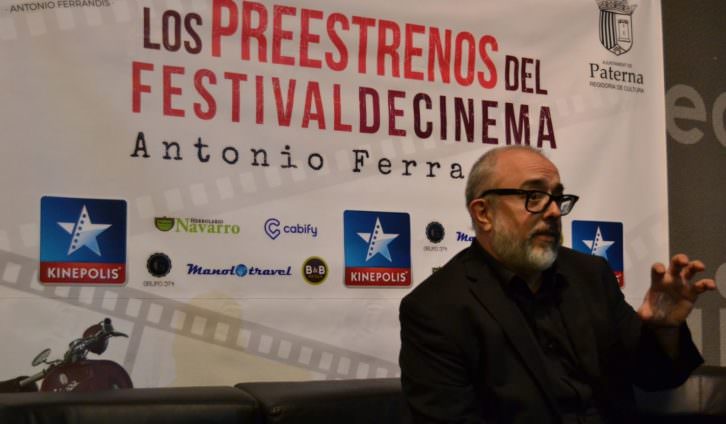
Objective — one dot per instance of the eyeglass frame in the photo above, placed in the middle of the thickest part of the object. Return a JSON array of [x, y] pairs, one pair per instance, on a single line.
[[557, 198]]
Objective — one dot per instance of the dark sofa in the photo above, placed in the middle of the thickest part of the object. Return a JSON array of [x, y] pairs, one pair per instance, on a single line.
[[702, 399]]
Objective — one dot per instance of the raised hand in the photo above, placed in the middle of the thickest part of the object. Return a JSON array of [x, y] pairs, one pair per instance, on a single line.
[[671, 295]]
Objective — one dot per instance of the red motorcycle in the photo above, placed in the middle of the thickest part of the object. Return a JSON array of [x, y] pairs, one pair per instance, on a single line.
[[75, 373]]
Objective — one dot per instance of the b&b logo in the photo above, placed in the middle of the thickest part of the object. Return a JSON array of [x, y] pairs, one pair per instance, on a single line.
[[377, 249], [82, 240], [603, 239]]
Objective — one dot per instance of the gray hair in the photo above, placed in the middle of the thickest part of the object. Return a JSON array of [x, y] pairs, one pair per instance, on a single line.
[[482, 172]]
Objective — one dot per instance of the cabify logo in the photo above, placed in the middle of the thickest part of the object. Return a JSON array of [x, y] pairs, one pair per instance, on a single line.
[[195, 225]]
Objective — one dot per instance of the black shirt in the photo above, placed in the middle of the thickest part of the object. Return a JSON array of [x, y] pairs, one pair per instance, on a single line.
[[541, 310]]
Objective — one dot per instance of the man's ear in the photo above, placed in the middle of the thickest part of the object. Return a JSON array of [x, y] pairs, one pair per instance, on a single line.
[[481, 213]]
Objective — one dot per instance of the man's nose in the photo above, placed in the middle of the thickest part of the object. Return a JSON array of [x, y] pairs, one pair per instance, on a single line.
[[552, 210]]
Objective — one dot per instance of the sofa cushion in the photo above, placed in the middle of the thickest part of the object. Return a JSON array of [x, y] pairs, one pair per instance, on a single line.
[[212, 405], [335, 401]]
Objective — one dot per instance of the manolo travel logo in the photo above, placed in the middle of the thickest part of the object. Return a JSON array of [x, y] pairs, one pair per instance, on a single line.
[[82, 240], [603, 239], [239, 270], [377, 249], [195, 225]]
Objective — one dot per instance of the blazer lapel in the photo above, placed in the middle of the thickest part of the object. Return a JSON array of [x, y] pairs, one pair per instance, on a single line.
[[580, 329], [487, 290]]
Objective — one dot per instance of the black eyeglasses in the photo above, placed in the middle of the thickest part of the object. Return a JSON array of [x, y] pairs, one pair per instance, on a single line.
[[537, 201]]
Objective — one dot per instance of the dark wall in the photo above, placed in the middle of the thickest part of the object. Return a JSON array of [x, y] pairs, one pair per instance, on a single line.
[[694, 38]]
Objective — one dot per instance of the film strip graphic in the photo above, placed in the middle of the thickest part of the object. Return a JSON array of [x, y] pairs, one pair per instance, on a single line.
[[144, 310]]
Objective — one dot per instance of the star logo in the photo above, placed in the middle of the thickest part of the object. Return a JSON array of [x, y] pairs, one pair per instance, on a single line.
[[378, 242], [599, 246], [84, 232]]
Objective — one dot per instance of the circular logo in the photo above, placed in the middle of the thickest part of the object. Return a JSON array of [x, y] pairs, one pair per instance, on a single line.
[[158, 265], [240, 270], [435, 232], [314, 270]]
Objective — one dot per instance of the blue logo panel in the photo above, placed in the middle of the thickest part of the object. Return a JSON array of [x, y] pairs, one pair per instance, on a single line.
[[603, 239], [377, 249], [82, 240]]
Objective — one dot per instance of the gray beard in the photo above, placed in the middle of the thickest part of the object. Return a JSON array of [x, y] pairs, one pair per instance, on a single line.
[[522, 255]]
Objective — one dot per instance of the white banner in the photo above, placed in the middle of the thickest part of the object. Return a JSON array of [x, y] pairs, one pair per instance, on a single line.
[[247, 189]]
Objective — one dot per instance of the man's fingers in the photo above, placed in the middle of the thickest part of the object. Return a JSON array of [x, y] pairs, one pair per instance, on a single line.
[[692, 268], [657, 271], [701, 286], [678, 262]]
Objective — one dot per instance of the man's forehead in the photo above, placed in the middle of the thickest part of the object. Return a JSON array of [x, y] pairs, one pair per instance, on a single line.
[[525, 169]]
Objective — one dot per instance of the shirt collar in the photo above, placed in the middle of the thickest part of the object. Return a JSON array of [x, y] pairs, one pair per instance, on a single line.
[[505, 275]]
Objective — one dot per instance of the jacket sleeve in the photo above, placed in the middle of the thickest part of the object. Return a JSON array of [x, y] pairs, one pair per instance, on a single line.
[[435, 380], [651, 367]]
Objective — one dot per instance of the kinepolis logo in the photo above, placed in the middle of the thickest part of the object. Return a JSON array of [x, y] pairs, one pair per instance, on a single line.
[[195, 225], [273, 229], [240, 270], [600, 238], [82, 240], [377, 249], [616, 25]]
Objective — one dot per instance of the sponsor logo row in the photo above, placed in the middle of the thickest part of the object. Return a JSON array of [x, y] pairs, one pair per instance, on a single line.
[[83, 241]]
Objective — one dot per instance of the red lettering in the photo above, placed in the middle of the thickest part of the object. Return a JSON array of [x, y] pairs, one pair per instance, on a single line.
[[365, 127], [411, 52], [235, 78], [342, 63], [220, 30], [260, 99], [279, 34], [147, 32], [202, 90], [170, 90], [306, 38], [464, 76], [312, 97], [439, 54], [394, 112], [484, 42], [284, 113], [363, 25], [258, 32], [338, 124], [136, 86], [386, 48]]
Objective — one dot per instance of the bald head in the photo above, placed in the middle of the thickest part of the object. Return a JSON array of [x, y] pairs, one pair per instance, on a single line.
[[493, 164]]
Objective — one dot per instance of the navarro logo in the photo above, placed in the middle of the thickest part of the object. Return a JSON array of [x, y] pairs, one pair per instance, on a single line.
[[82, 240], [239, 270], [616, 25], [195, 225], [377, 249], [273, 229]]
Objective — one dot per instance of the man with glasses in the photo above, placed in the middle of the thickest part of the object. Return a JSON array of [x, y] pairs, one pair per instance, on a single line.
[[517, 328]]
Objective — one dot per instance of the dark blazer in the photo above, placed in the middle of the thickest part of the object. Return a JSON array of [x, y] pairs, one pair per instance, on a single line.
[[469, 356]]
